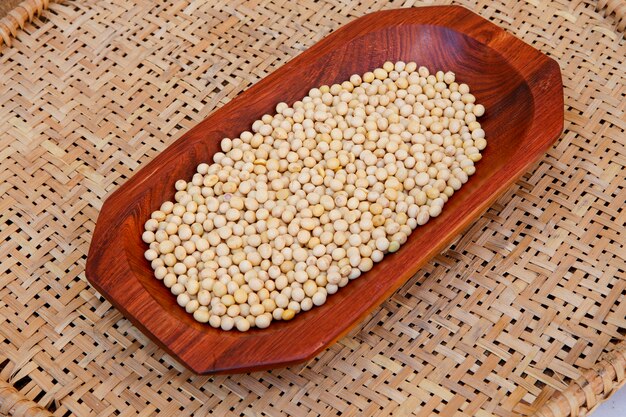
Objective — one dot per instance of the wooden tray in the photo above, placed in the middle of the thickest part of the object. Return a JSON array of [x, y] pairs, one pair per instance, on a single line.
[[519, 86]]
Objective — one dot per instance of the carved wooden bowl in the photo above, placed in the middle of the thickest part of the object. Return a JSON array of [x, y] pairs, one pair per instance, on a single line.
[[519, 86]]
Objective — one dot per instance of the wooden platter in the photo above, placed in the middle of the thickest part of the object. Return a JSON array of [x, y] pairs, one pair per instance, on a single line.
[[520, 87]]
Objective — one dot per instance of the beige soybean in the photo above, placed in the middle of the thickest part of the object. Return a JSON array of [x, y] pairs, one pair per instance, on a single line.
[[314, 195]]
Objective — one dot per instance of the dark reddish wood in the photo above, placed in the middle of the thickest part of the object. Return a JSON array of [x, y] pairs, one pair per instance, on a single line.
[[519, 86]]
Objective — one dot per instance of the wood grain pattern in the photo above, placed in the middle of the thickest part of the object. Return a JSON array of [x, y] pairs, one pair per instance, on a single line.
[[519, 86]]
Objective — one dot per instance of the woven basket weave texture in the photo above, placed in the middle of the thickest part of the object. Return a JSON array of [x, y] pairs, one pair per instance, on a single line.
[[523, 314]]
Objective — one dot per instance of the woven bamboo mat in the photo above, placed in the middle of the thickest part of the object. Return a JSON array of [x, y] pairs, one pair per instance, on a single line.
[[524, 313]]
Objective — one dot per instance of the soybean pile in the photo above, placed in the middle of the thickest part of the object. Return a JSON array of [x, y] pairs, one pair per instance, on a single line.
[[314, 195]]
